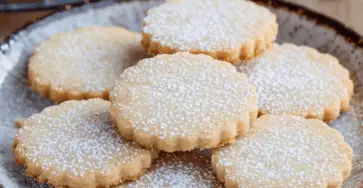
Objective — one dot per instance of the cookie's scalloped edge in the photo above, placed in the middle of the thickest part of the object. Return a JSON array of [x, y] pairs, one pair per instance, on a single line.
[[332, 111], [93, 179], [248, 50], [328, 114], [124, 173], [335, 182], [222, 175], [224, 136], [58, 95]]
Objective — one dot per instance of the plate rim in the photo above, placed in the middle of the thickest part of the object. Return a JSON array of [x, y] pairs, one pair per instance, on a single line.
[[349, 34]]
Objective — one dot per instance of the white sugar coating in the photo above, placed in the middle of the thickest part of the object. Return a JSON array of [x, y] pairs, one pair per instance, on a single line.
[[286, 151], [179, 170], [87, 59], [207, 25], [182, 95], [76, 138], [296, 80]]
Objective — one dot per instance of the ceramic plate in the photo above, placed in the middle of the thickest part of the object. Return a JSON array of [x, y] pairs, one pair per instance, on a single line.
[[296, 25]]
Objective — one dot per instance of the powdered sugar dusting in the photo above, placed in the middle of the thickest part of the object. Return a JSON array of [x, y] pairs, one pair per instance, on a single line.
[[76, 138], [207, 24], [295, 80], [86, 59], [179, 170], [182, 95], [286, 151]]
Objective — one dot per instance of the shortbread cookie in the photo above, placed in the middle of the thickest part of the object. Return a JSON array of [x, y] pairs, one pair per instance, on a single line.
[[285, 151], [176, 170], [75, 145], [301, 81], [182, 101], [83, 63], [230, 30]]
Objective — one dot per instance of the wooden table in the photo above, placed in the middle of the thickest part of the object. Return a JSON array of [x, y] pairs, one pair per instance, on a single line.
[[9, 22], [349, 12]]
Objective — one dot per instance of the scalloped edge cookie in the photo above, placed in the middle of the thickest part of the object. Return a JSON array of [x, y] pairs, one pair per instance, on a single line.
[[179, 169], [226, 134], [249, 49], [60, 94], [223, 166], [329, 112], [131, 170]]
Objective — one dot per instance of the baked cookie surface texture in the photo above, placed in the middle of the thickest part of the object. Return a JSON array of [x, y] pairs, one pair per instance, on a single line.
[[285, 151], [229, 30], [176, 170], [182, 101], [83, 63], [301, 81], [75, 145]]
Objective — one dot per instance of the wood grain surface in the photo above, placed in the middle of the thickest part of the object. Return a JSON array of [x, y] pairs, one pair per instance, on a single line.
[[10, 22], [349, 12]]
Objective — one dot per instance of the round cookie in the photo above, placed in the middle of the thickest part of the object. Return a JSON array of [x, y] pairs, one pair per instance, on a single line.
[[285, 151], [83, 63], [181, 102], [175, 170], [229, 30], [75, 145], [301, 81]]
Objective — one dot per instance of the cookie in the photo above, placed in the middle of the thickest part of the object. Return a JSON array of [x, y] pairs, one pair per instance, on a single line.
[[285, 151], [83, 63], [75, 145], [301, 81], [175, 170], [181, 102], [229, 30]]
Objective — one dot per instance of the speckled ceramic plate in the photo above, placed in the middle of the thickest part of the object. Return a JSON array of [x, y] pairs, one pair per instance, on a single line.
[[297, 25]]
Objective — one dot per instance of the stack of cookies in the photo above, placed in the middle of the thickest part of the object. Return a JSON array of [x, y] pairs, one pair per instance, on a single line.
[[214, 79]]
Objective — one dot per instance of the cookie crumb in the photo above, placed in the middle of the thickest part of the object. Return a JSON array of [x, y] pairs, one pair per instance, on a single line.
[[19, 123]]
